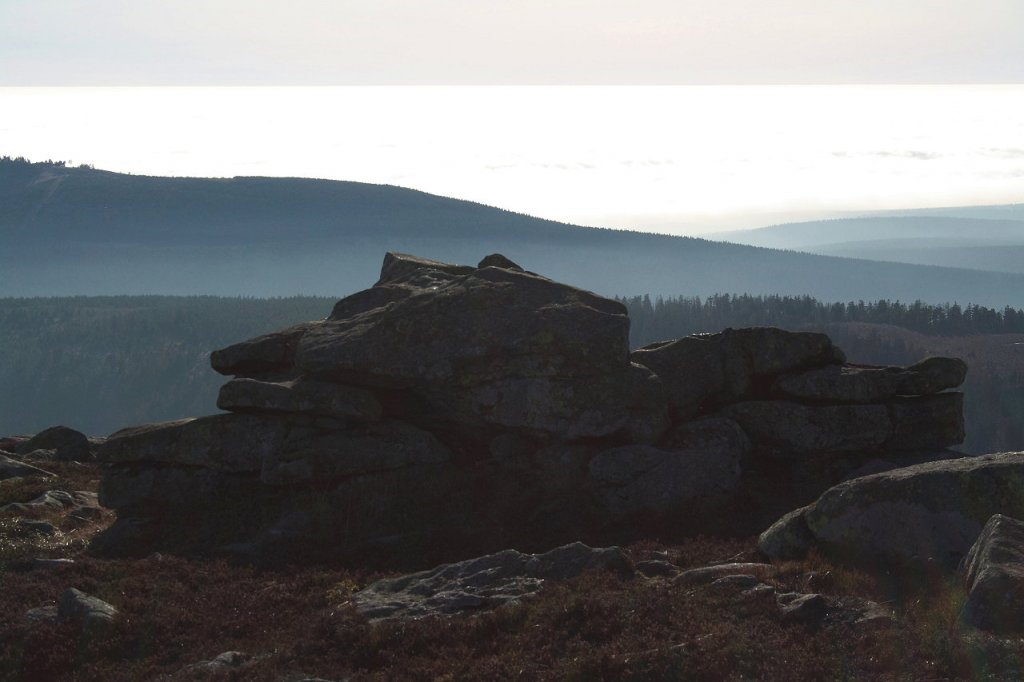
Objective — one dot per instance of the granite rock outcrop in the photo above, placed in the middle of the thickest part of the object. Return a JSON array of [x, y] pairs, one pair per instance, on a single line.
[[451, 409]]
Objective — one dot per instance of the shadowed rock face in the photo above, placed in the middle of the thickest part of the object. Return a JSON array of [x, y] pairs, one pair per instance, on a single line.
[[993, 572], [450, 409], [929, 511]]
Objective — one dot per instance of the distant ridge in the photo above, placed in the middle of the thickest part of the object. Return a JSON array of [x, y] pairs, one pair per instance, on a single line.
[[981, 237], [67, 231]]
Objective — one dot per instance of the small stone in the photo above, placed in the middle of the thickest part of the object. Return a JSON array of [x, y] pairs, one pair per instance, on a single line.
[[707, 574], [656, 567], [51, 563], [94, 614], [42, 614], [33, 527], [809, 609], [741, 581]]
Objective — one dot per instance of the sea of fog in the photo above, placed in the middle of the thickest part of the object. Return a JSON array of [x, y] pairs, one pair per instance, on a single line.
[[684, 160]]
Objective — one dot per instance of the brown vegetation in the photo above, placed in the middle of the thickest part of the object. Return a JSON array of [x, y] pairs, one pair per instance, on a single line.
[[176, 611]]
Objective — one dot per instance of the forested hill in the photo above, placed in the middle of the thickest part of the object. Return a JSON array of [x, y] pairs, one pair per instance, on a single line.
[[69, 231]]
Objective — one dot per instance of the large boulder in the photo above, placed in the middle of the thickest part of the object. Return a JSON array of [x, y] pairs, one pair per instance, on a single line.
[[929, 511], [705, 371], [993, 572], [68, 445]]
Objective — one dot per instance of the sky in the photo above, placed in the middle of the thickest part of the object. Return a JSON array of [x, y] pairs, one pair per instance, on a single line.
[[504, 42], [678, 116]]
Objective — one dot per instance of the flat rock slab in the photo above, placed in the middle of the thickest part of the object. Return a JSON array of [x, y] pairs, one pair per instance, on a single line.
[[223, 442], [704, 371], [993, 572], [934, 510], [54, 500], [861, 384], [483, 583], [300, 397], [794, 429], [12, 468], [709, 574]]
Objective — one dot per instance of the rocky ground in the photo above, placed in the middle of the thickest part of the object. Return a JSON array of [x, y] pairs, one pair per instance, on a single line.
[[644, 613]]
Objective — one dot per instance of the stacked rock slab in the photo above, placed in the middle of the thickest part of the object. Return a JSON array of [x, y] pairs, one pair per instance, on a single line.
[[456, 409]]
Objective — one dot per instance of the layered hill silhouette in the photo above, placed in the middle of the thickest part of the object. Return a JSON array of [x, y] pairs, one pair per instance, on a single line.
[[983, 238], [68, 231]]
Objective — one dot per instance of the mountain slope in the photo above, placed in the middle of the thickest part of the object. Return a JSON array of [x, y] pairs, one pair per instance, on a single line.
[[82, 231], [923, 230]]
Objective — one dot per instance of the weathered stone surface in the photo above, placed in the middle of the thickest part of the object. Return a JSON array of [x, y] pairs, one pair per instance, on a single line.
[[69, 445], [95, 615], [933, 510], [708, 574], [40, 456], [483, 583], [224, 442], [451, 406], [929, 423], [705, 371], [647, 404], [54, 500], [372, 448], [401, 267], [788, 538], [634, 479], [12, 468], [33, 527], [709, 433], [42, 614], [993, 572], [809, 609], [166, 488], [793, 429], [266, 354], [495, 346], [655, 568], [864, 384], [221, 664], [496, 260], [301, 396]]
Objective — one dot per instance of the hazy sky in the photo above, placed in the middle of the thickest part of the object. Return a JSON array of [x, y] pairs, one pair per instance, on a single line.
[[352, 42], [680, 159]]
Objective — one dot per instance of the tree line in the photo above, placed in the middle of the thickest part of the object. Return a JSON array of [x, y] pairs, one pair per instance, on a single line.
[[669, 317]]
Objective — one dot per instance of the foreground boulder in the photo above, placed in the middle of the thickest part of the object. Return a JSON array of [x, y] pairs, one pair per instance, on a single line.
[[483, 583], [67, 444], [932, 511], [993, 572], [452, 410]]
